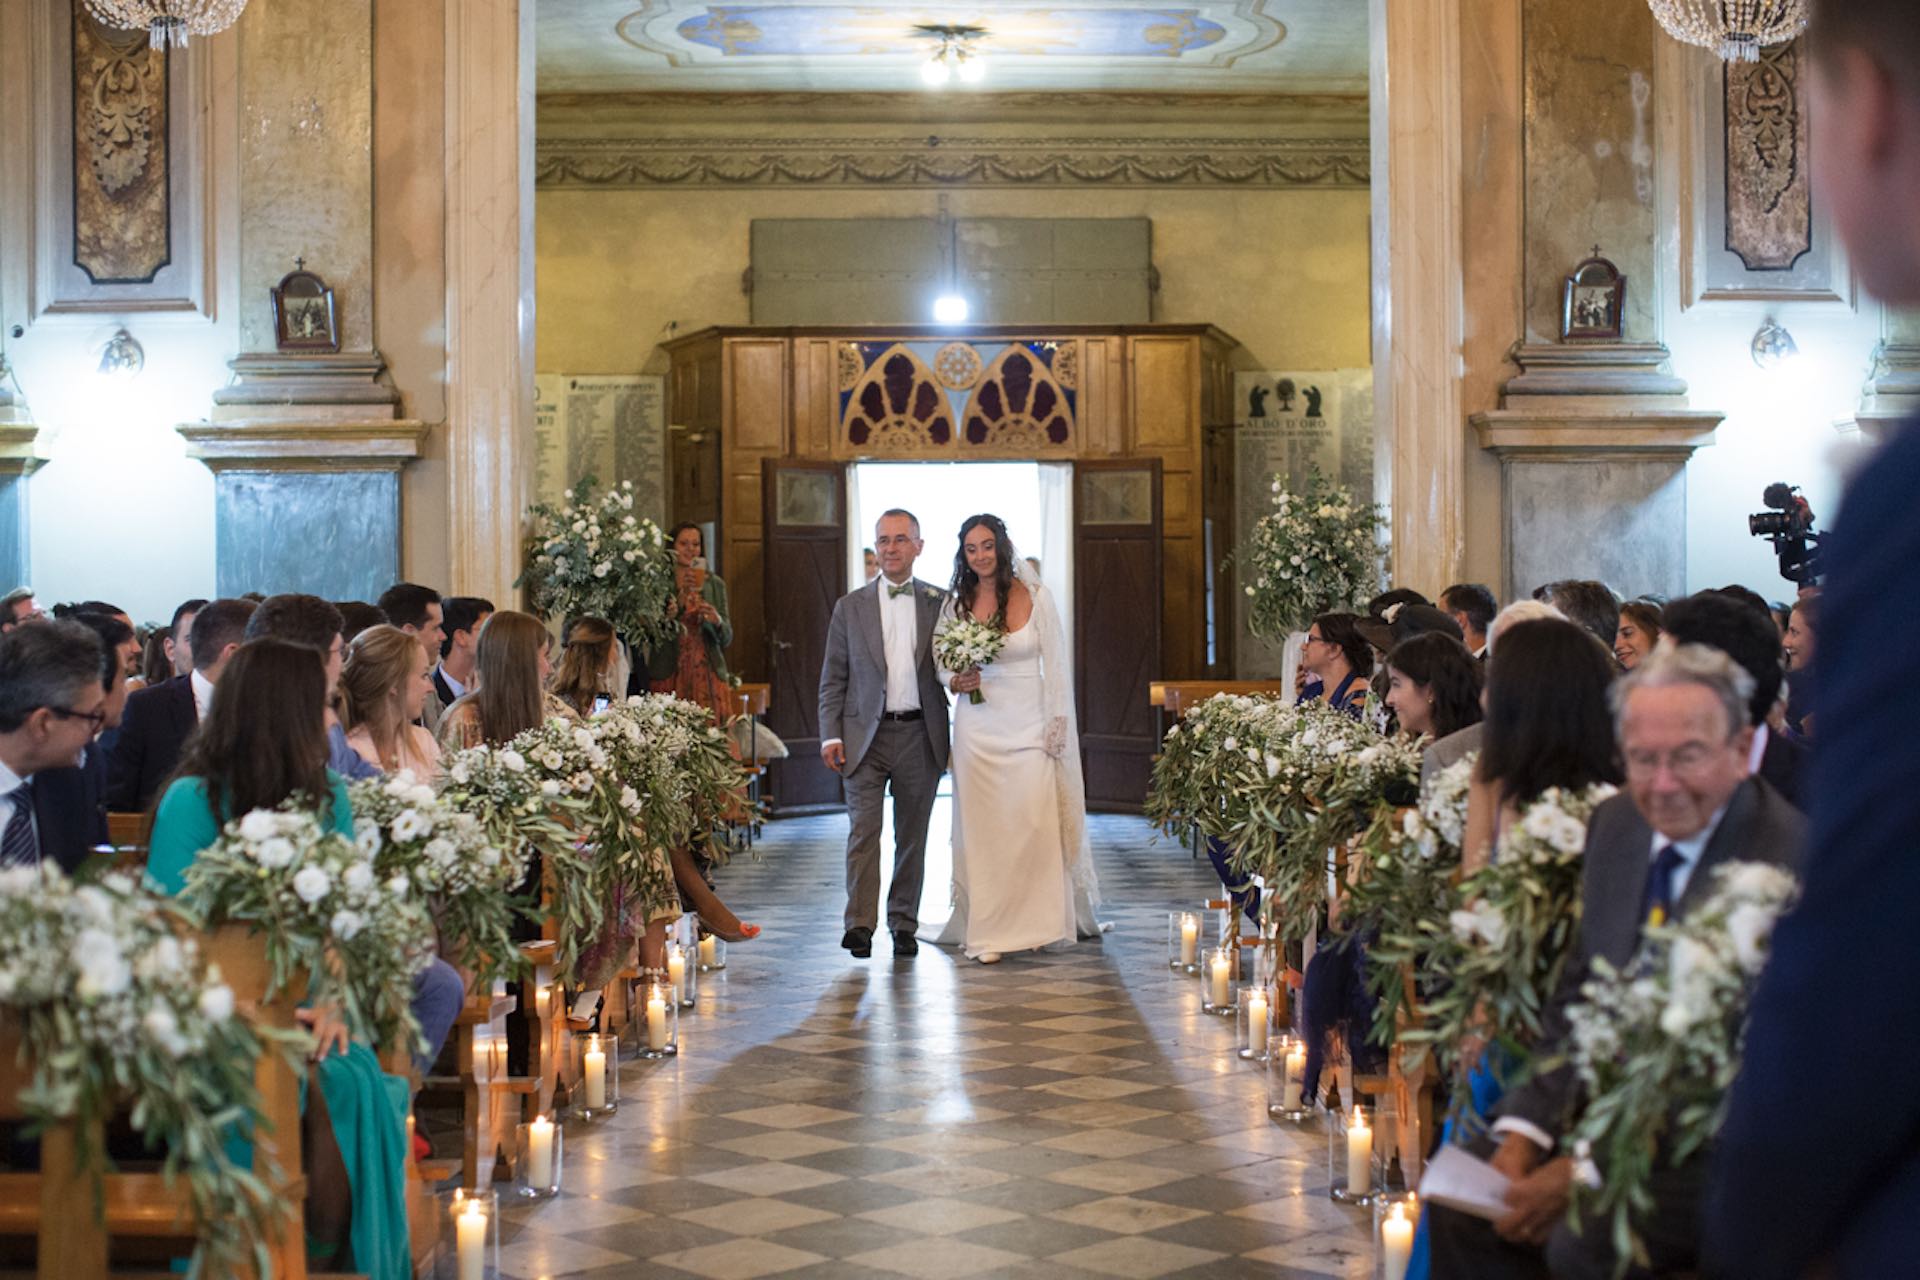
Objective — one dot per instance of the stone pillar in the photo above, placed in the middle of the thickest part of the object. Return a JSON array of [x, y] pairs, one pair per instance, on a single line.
[[20, 456], [1893, 393], [489, 122], [1420, 449]]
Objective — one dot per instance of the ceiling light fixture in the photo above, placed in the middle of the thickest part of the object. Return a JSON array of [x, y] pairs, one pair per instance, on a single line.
[[168, 21], [950, 308], [1772, 345], [122, 357], [1736, 30], [955, 55]]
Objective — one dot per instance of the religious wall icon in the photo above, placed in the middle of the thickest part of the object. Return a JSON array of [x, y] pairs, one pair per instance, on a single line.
[[1593, 301], [303, 317]]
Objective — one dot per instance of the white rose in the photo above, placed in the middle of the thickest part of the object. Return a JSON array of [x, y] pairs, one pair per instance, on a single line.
[[602, 569], [358, 878], [345, 924], [460, 774], [439, 852], [103, 971], [275, 853], [410, 825], [312, 884], [399, 885], [1750, 928], [164, 1029], [366, 837], [258, 825], [216, 1002], [549, 788], [512, 761]]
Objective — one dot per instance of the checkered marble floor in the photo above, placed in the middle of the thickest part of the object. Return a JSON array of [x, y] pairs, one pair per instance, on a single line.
[[1056, 1116]]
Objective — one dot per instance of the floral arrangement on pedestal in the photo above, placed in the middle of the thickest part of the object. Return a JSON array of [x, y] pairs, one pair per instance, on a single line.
[[114, 1009], [1314, 552], [1657, 1045], [326, 912], [591, 556]]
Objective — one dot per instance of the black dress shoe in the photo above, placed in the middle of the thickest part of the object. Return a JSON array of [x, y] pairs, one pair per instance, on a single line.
[[859, 941], [904, 943]]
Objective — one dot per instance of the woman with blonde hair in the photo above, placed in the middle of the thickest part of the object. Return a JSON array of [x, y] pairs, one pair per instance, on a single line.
[[383, 687]]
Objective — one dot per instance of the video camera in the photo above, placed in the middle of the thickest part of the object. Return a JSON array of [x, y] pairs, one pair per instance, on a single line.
[[1789, 527]]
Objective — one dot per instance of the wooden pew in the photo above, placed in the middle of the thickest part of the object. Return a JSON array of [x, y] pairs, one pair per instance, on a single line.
[[1177, 697], [53, 1206], [128, 830]]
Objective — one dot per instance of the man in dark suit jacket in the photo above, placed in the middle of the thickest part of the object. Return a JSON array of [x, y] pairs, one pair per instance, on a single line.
[[1690, 807], [159, 720], [51, 705]]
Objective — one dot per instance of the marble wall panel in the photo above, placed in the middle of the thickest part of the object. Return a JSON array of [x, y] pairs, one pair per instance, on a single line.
[[15, 567], [1589, 154], [335, 534], [1622, 521]]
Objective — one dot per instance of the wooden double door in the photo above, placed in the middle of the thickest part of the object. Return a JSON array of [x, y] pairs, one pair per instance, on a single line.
[[1117, 541]]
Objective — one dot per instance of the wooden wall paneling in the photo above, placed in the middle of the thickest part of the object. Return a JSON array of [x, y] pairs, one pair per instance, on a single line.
[[756, 401], [815, 419], [1165, 393], [1103, 404]]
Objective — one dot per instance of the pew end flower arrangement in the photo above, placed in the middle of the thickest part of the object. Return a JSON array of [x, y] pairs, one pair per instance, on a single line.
[[1656, 1046], [1314, 551], [592, 556], [104, 989]]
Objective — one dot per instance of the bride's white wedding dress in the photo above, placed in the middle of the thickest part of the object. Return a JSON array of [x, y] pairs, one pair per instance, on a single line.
[[1023, 874]]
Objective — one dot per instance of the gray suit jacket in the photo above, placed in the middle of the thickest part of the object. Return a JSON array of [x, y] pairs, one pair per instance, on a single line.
[[853, 679], [1448, 751], [1759, 826]]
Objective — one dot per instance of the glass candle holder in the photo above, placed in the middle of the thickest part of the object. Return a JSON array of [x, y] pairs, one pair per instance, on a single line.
[[1391, 1177], [1287, 1097], [1183, 942], [469, 1233], [1350, 1156], [1253, 1022], [1396, 1217], [658, 1026], [537, 1166], [599, 1075], [1216, 983], [713, 954], [683, 978]]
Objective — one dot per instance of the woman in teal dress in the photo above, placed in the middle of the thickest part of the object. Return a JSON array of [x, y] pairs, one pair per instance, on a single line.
[[263, 743]]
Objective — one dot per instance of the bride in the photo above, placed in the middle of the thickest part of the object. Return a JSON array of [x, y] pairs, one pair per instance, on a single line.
[[1022, 869]]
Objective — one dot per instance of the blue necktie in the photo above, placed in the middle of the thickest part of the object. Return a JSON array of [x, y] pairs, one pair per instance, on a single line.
[[1659, 903], [18, 848], [893, 592]]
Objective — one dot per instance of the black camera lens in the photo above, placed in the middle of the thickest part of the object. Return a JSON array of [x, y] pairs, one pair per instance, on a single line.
[[1769, 523]]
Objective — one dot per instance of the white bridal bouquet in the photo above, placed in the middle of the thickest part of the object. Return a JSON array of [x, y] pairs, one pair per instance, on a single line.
[[967, 644], [591, 556], [1657, 1045], [1315, 551]]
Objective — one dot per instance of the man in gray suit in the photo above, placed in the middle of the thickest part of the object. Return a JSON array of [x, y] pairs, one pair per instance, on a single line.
[[1689, 807], [883, 720]]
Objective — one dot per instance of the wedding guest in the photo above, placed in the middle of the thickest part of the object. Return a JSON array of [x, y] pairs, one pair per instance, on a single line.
[[1433, 686], [117, 642], [1471, 606], [1457, 746], [1689, 807], [263, 746], [1340, 659], [17, 607], [869, 563], [416, 610], [356, 616], [509, 696], [159, 719], [383, 684], [156, 658], [461, 619], [180, 636], [1747, 596], [1637, 633], [693, 666], [1745, 633], [1591, 604], [51, 705], [311, 621], [1799, 647], [1378, 606]]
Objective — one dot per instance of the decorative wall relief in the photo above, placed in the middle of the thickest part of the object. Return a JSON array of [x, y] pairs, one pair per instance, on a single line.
[[1769, 214], [896, 408], [957, 399], [1020, 404], [122, 230]]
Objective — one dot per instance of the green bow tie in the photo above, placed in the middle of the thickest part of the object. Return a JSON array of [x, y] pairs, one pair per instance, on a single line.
[[904, 589]]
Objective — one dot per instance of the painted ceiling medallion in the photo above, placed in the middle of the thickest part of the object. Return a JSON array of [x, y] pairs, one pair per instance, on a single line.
[[826, 30]]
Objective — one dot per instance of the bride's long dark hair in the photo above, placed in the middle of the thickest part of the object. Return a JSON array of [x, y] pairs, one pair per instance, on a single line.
[[966, 583]]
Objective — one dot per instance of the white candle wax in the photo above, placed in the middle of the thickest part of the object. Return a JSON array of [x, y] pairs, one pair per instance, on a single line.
[[709, 951], [1256, 1022], [1296, 1078], [656, 1023], [471, 1237], [540, 1153], [595, 1071], [1189, 939], [677, 973], [1219, 977], [1396, 1243], [1359, 1155]]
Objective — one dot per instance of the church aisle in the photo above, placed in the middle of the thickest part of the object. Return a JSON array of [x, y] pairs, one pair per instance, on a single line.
[[1054, 1116]]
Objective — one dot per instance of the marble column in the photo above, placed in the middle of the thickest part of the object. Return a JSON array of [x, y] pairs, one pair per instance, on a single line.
[[489, 122], [20, 456], [1893, 393]]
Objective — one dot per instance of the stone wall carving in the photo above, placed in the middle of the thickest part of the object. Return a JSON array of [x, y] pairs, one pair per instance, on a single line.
[[122, 223], [1769, 193], [956, 161]]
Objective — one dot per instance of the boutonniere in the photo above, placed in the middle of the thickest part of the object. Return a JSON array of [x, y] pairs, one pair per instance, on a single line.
[[933, 593]]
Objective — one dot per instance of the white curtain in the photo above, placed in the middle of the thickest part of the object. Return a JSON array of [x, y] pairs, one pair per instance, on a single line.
[[858, 536], [1056, 540]]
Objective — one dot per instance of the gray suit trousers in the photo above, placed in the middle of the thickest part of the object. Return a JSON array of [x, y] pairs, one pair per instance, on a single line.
[[900, 755]]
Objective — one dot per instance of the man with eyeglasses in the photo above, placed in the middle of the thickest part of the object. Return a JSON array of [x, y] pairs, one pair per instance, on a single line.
[[51, 705], [1690, 806], [18, 607]]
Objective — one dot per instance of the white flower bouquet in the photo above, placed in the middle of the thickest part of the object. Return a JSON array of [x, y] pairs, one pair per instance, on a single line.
[[592, 556], [326, 912], [1315, 551], [963, 644], [1497, 954], [106, 990], [467, 878], [1657, 1046]]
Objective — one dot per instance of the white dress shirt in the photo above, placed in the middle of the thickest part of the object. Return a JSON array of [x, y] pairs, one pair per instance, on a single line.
[[459, 690], [202, 694], [1758, 751], [10, 784], [899, 633]]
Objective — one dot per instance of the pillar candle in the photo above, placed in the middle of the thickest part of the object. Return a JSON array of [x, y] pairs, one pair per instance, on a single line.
[[656, 1022], [677, 972], [1189, 939], [1296, 1077], [709, 951], [1396, 1243], [1256, 1022], [1359, 1154], [540, 1153], [595, 1070], [1220, 975], [471, 1235]]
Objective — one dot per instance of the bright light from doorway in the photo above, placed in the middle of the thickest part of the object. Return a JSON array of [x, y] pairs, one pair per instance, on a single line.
[[950, 308], [942, 495]]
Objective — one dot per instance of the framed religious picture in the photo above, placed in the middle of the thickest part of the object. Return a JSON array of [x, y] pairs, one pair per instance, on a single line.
[[303, 312], [1593, 301]]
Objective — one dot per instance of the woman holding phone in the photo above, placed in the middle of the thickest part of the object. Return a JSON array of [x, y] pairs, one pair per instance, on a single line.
[[693, 666]]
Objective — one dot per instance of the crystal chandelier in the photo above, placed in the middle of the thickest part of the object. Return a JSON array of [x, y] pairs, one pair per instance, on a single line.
[[954, 55], [1736, 30], [168, 21]]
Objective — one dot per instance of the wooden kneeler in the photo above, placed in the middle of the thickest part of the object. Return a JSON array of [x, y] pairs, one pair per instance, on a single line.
[[53, 1206]]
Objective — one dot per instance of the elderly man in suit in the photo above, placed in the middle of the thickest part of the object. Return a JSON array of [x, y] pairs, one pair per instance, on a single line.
[[1651, 854], [883, 722], [160, 719]]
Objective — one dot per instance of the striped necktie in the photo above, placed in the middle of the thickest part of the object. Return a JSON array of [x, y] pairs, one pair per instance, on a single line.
[[18, 848]]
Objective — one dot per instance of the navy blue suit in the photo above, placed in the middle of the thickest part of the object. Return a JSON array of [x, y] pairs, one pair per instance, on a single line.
[[1807, 1172], [157, 724], [67, 812]]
